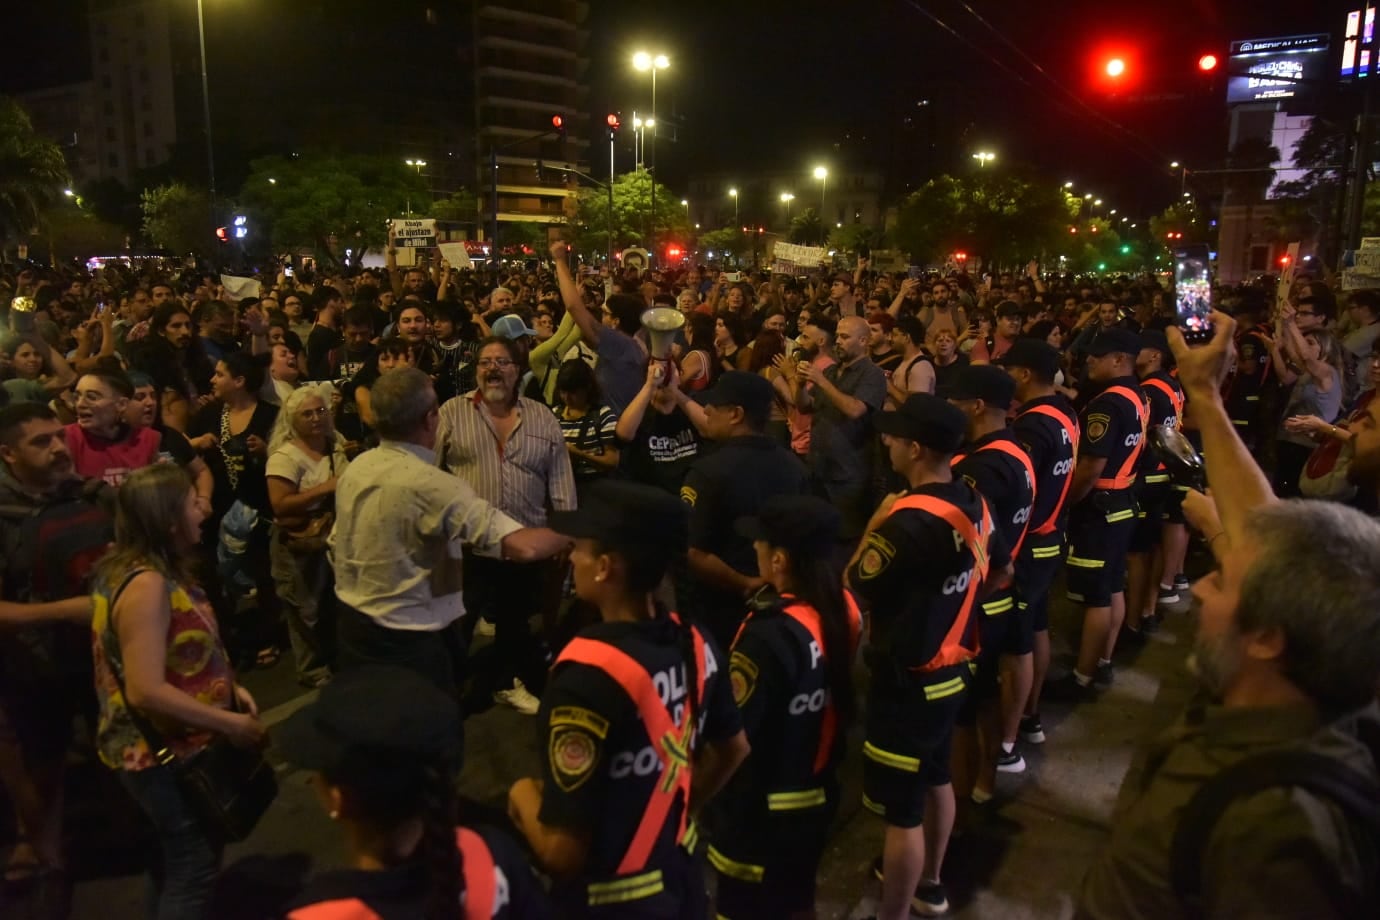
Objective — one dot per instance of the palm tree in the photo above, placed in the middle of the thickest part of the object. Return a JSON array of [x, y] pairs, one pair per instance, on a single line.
[[807, 228], [32, 171]]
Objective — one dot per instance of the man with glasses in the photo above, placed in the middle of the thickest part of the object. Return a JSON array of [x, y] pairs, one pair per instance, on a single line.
[[509, 449]]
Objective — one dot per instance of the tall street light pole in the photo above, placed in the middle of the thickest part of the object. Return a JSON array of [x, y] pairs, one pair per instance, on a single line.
[[822, 175], [737, 227], [417, 165], [653, 62], [206, 108]]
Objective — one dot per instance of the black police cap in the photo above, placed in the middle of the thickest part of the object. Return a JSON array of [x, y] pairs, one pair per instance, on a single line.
[[626, 514], [986, 382], [752, 392], [927, 420], [1035, 354], [1114, 341]]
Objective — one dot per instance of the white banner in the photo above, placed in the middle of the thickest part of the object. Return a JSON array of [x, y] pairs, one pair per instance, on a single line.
[[240, 288], [412, 232], [456, 255]]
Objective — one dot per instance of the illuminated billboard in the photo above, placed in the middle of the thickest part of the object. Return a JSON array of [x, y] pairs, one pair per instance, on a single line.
[[1270, 69], [1358, 44]]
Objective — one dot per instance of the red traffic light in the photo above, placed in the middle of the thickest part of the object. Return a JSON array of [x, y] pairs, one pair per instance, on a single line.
[[1284, 261], [673, 252], [1173, 235], [223, 234], [961, 256], [1207, 63], [557, 122], [613, 121], [1114, 67]]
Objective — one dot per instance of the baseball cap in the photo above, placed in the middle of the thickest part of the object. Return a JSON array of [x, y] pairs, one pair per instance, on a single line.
[[1035, 354], [1009, 308], [927, 420], [752, 392], [986, 382], [622, 514], [1112, 341], [511, 327], [793, 522], [377, 708]]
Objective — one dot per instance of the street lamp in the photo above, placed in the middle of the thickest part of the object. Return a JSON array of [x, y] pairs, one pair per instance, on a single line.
[[685, 202], [1068, 185], [984, 157], [1183, 177], [206, 109], [69, 193], [822, 174], [786, 199], [653, 62], [417, 165], [733, 193]]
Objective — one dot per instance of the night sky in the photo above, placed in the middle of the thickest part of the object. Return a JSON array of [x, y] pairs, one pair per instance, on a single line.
[[784, 85]]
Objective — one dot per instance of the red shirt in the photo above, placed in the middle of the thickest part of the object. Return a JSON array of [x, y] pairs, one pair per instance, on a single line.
[[96, 458]]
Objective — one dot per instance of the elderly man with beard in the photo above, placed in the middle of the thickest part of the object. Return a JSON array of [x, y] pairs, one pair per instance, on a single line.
[[1288, 660], [509, 449]]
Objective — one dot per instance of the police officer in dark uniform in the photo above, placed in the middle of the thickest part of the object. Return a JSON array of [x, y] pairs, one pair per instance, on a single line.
[[1103, 517], [746, 469], [1154, 492], [1250, 387], [384, 743], [993, 462], [929, 556], [791, 669], [1046, 426], [622, 720]]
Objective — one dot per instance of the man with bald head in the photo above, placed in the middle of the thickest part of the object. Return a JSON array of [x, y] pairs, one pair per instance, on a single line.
[[843, 401]]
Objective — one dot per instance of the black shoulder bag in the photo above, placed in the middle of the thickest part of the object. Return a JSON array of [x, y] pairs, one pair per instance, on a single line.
[[227, 787]]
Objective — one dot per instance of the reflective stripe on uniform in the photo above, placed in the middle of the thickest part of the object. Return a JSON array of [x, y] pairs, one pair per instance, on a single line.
[[944, 688], [1005, 604], [873, 807], [743, 872], [1121, 515], [692, 837], [1125, 477], [1046, 552], [633, 888], [1157, 477], [888, 759], [795, 801], [1079, 562]]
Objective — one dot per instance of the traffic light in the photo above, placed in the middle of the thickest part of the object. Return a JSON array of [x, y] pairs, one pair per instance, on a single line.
[[558, 123], [1208, 63], [1125, 249], [223, 234], [1283, 261], [613, 125], [1174, 235], [673, 251], [960, 257], [1115, 67]]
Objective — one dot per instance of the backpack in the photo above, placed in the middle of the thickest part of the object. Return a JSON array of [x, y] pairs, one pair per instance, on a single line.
[[1356, 794], [53, 549]]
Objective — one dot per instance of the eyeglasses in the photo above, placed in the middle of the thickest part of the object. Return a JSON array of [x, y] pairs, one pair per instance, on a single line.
[[319, 412], [500, 363]]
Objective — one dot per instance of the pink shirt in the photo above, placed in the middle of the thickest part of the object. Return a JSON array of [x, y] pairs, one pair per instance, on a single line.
[[798, 421], [94, 457]]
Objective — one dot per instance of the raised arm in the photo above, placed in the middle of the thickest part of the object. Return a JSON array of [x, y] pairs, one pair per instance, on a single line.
[[589, 324]]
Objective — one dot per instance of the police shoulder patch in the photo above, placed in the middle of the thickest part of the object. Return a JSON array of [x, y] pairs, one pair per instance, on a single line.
[[573, 754], [688, 495], [876, 556], [742, 676], [581, 717], [1098, 424]]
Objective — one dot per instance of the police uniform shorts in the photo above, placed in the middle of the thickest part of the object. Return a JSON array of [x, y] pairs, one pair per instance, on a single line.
[[1005, 629], [909, 730], [1036, 570], [769, 868], [1100, 531], [1173, 510], [1151, 496]]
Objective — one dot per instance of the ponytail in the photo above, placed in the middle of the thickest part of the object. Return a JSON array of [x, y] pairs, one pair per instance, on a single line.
[[686, 640], [820, 585], [439, 852]]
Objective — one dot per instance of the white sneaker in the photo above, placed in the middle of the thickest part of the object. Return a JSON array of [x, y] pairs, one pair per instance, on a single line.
[[483, 628], [519, 699]]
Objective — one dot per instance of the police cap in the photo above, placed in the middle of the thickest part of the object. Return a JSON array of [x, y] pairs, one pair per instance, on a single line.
[[751, 392], [1114, 341], [626, 514], [377, 709], [793, 522], [986, 382], [1034, 354], [927, 420], [1155, 338]]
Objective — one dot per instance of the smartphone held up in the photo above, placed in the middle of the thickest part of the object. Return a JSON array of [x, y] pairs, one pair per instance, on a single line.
[[1193, 294]]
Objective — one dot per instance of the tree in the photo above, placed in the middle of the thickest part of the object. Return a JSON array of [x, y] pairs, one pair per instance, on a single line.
[[72, 232], [326, 202], [850, 237], [808, 228], [632, 205], [728, 241], [32, 171], [462, 207], [1182, 217], [178, 218], [1003, 217]]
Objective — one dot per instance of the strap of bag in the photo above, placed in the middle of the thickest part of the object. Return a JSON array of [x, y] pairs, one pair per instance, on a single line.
[[1354, 793], [157, 743]]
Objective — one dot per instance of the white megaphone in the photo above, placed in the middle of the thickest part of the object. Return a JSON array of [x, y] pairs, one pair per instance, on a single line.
[[661, 324]]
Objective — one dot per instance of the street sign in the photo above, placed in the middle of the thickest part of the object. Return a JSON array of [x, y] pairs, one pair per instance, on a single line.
[[412, 233]]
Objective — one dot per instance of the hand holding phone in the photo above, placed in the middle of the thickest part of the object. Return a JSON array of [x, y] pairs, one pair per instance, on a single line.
[[1193, 294]]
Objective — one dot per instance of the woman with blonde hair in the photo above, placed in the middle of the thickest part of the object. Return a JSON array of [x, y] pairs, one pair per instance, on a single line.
[[305, 457], [160, 661]]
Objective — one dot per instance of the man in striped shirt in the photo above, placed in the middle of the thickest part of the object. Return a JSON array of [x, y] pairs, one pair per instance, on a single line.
[[509, 449]]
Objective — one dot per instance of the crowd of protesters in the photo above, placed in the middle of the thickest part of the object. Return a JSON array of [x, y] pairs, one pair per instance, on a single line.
[[373, 469]]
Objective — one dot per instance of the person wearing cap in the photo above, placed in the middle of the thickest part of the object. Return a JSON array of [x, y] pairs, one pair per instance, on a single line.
[[509, 449], [1251, 387], [927, 557], [638, 713], [403, 528], [840, 300], [747, 469], [515, 329], [1005, 332], [383, 745], [993, 462], [1103, 516], [844, 400], [790, 669], [1157, 546], [1046, 425]]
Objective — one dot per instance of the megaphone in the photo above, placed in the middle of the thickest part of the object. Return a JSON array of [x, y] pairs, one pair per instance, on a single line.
[[1179, 456], [662, 324]]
